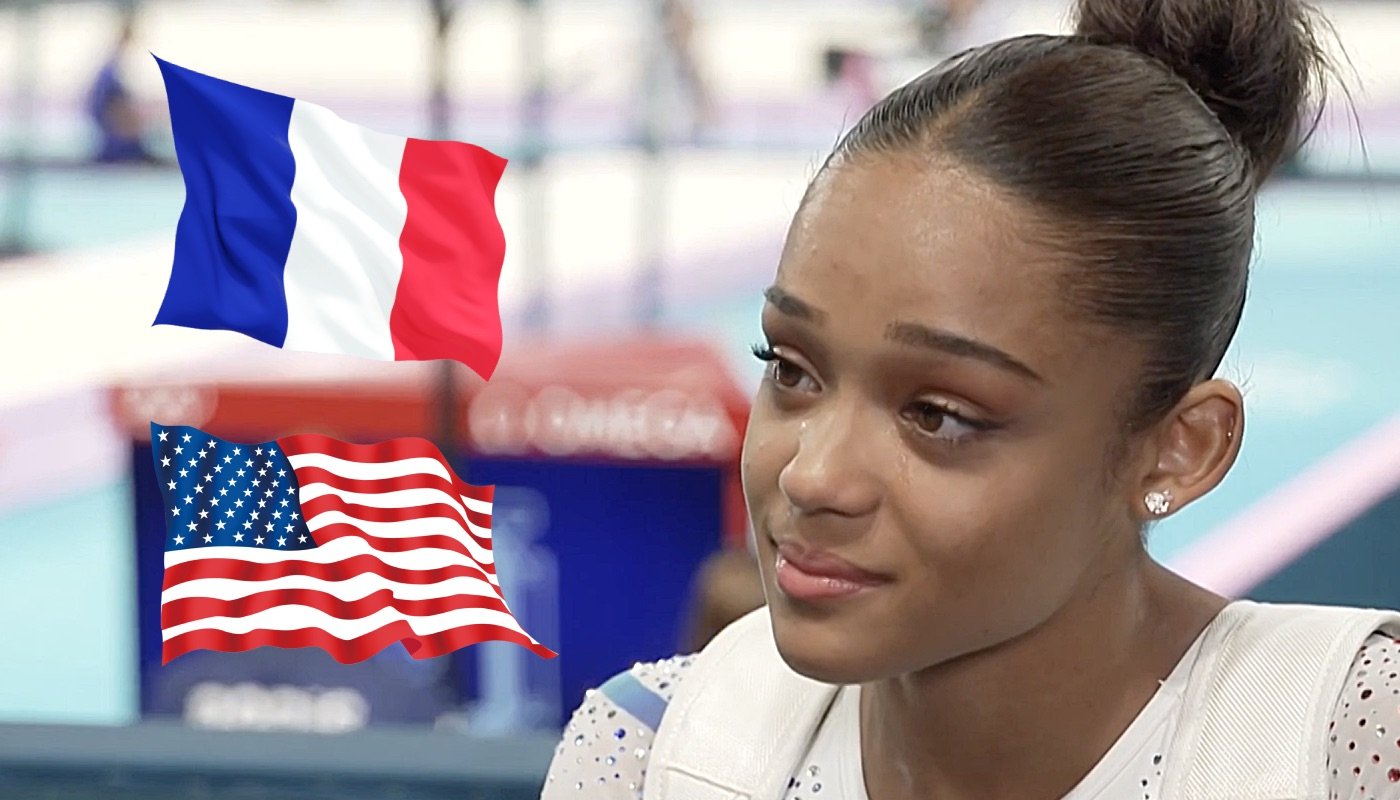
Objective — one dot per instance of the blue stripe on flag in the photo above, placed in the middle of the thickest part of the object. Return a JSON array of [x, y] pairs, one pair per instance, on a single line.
[[236, 227], [628, 694]]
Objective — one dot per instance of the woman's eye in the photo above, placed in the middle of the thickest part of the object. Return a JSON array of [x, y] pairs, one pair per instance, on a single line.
[[781, 371], [940, 422], [785, 373]]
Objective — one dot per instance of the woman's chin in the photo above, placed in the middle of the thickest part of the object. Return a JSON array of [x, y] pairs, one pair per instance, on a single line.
[[825, 656]]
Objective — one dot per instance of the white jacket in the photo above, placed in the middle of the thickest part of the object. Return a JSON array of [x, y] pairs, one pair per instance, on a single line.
[[1257, 706]]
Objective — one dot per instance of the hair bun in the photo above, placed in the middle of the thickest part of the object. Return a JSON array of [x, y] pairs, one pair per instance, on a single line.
[[1257, 64]]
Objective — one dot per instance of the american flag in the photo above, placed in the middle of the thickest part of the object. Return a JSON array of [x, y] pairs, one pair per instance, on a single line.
[[308, 541]]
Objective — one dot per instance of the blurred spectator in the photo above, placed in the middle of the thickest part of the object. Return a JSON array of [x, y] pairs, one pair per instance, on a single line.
[[685, 106], [949, 26], [121, 130], [852, 75], [679, 22], [727, 586]]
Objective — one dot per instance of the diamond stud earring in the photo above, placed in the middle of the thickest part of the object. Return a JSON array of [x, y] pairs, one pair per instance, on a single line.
[[1158, 502]]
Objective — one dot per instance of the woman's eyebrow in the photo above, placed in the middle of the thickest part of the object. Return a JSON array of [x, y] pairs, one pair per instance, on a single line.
[[911, 333], [917, 335], [789, 304]]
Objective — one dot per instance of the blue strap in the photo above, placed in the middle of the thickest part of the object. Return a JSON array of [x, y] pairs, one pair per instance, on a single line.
[[628, 694]]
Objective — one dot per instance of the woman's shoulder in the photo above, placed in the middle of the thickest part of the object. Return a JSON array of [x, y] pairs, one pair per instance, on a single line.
[[1364, 732], [644, 690], [659, 677], [607, 744], [638, 694]]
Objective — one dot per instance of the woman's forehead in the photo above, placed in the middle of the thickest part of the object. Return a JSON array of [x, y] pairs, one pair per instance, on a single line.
[[882, 241]]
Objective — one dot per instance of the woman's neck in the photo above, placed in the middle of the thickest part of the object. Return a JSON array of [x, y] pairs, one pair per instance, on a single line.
[[1029, 718]]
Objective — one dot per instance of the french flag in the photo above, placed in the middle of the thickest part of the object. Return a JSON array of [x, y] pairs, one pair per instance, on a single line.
[[311, 233]]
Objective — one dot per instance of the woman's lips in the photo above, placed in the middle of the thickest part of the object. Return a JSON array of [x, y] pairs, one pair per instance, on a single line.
[[814, 575]]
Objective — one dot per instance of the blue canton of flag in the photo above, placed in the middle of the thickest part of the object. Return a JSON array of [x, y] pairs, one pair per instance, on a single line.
[[221, 494]]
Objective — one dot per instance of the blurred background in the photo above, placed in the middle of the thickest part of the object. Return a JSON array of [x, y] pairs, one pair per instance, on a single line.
[[657, 151]]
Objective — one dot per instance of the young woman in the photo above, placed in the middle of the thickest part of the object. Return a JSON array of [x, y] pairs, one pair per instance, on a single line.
[[991, 344]]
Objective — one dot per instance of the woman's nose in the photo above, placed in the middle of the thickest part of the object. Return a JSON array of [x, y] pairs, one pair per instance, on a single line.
[[831, 469]]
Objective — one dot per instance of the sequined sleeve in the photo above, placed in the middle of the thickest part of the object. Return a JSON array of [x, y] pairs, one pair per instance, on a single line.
[[1364, 755], [604, 750]]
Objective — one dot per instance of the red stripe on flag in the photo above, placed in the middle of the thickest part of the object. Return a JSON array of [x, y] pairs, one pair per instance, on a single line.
[[307, 476], [386, 544], [334, 502], [237, 570], [453, 248], [190, 609], [350, 651], [327, 503], [376, 453], [416, 480]]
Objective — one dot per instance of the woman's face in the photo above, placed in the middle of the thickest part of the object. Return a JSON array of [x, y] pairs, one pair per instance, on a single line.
[[933, 431]]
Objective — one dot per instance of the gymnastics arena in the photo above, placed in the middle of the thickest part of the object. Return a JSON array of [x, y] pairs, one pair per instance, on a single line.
[[654, 167]]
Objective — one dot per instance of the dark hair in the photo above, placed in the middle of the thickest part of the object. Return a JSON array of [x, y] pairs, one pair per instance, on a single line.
[[1142, 138]]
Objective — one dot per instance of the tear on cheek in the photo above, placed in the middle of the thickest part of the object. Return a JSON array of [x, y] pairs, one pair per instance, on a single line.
[[760, 445]]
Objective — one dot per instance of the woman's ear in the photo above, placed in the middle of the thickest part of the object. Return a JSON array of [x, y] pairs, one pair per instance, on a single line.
[[1195, 445]]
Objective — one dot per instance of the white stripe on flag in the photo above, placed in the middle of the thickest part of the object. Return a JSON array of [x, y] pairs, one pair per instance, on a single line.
[[400, 498], [343, 268], [403, 529], [349, 589], [291, 618], [371, 470], [421, 558], [479, 506]]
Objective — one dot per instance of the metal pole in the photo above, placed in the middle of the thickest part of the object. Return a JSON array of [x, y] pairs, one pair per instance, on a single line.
[[503, 669], [533, 146], [652, 194], [440, 124], [439, 103], [16, 238], [440, 120]]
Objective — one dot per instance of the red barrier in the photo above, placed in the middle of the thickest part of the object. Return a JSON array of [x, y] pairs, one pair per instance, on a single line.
[[658, 400]]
